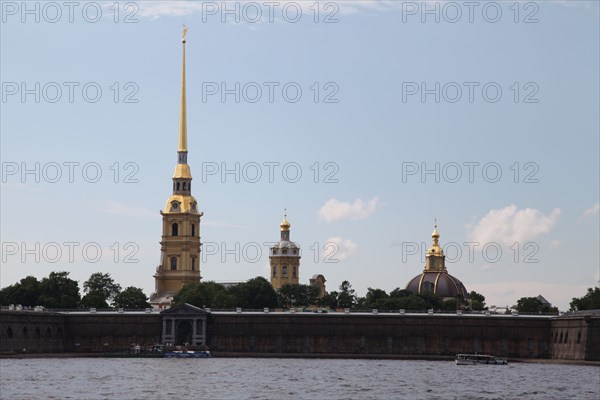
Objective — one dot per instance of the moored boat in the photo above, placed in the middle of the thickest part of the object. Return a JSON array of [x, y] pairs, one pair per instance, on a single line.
[[188, 354], [475, 359]]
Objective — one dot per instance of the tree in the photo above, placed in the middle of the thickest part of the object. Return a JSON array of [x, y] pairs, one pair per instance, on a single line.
[[477, 301], [59, 291], [346, 298], [199, 294], [298, 295], [534, 305], [590, 301], [25, 292], [100, 290], [131, 297], [329, 300], [256, 293]]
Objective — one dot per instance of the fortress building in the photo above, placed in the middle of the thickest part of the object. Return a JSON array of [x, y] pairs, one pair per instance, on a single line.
[[180, 243], [435, 278], [284, 258]]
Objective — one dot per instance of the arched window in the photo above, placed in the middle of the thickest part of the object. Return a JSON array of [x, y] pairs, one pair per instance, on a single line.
[[193, 229], [294, 272], [174, 230], [284, 251], [274, 270], [173, 263], [177, 185], [193, 263], [184, 186], [566, 337], [284, 271], [48, 332], [25, 332], [59, 333], [38, 333], [9, 332], [295, 251]]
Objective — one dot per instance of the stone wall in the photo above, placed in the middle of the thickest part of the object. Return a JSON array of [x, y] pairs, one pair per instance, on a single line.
[[31, 332], [391, 334], [312, 334], [111, 332], [575, 338]]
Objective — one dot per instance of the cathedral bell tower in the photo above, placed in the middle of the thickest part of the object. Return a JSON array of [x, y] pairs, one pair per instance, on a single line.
[[180, 244], [284, 258]]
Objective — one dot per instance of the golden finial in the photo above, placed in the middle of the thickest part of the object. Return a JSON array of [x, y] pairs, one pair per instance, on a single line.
[[285, 225]]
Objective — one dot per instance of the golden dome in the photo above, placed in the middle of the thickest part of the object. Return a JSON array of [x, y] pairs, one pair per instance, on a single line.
[[181, 204], [285, 225]]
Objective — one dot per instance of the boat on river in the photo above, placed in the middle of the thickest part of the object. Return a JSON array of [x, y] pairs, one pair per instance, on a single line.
[[476, 359], [188, 354]]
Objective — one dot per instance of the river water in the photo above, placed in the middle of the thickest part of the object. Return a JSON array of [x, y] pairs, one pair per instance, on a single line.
[[248, 378]]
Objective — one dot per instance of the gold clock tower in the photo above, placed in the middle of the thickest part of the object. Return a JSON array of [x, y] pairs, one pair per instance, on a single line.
[[180, 244]]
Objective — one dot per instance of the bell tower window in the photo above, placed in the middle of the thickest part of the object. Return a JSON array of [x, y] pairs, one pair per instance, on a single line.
[[174, 230], [293, 272], [193, 263], [193, 229], [274, 271], [173, 263], [284, 271]]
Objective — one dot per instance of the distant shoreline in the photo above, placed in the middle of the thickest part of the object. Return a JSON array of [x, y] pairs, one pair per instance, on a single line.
[[296, 355]]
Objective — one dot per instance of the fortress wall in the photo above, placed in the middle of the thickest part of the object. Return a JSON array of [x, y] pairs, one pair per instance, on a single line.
[[312, 334], [382, 334], [575, 338], [32, 331]]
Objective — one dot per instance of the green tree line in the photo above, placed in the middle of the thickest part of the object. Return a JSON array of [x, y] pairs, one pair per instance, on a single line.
[[57, 290]]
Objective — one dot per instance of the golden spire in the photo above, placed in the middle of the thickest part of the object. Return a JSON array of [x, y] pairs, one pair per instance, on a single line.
[[182, 111], [285, 225]]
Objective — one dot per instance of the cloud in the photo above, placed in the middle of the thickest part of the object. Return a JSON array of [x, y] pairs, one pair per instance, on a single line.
[[115, 207], [592, 211], [335, 210], [338, 249], [509, 224]]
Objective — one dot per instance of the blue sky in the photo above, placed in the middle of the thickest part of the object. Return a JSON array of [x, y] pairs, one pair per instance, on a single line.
[[399, 94]]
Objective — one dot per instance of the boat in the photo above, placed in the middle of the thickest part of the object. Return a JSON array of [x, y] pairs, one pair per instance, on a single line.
[[475, 359], [188, 354]]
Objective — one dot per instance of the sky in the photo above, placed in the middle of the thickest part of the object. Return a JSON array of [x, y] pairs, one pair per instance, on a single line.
[[369, 121]]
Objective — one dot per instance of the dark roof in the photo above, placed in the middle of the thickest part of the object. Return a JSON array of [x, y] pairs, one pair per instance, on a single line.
[[440, 283]]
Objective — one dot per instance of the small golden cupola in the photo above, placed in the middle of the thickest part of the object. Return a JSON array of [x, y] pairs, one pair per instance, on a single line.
[[435, 260]]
